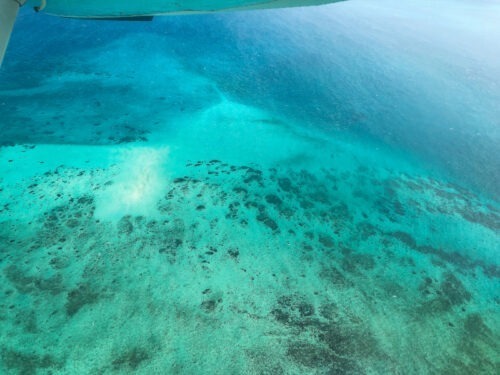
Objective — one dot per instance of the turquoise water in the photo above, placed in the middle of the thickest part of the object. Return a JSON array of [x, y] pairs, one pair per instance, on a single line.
[[302, 191]]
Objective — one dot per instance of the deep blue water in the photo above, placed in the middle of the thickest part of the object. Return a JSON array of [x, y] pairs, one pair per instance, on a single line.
[[428, 83], [309, 190]]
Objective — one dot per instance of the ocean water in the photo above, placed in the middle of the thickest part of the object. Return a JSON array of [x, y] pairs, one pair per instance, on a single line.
[[295, 191]]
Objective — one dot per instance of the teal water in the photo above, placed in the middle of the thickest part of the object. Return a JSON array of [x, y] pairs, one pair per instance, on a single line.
[[302, 191]]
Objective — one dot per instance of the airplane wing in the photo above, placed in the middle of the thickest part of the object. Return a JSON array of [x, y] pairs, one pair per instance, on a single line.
[[131, 9]]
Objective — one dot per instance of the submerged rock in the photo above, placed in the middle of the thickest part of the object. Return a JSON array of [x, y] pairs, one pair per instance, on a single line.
[[132, 358], [83, 295]]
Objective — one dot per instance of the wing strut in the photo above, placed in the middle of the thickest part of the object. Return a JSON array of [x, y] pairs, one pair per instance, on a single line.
[[8, 13]]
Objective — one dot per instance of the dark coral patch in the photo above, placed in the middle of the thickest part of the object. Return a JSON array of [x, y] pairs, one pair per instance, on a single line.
[[326, 240], [28, 363], [274, 200], [78, 298], [33, 284], [267, 221], [131, 359], [210, 305]]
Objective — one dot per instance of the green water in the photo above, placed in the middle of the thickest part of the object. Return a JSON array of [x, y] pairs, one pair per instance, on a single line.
[[157, 218], [326, 255]]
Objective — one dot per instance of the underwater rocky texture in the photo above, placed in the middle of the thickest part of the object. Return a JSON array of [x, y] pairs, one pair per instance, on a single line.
[[178, 201], [342, 269]]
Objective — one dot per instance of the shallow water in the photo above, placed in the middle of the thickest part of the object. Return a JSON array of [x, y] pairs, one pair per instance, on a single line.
[[304, 191]]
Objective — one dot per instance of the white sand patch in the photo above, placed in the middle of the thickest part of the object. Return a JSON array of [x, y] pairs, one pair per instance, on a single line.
[[138, 185]]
